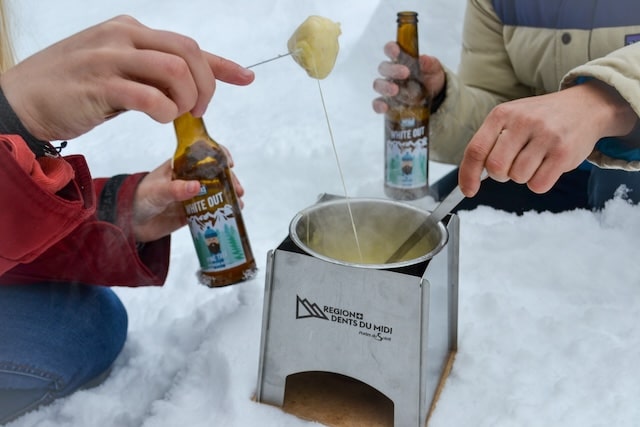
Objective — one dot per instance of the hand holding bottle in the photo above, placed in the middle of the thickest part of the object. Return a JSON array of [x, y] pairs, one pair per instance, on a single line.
[[431, 73], [406, 115], [213, 214], [158, 210], [78, 83]]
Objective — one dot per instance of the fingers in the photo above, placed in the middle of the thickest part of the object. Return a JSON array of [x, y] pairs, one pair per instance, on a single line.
[[158, 209], [433, 74], [508, 146], [237, 185], [76, 84], [389, 71], [160, 190], [544, 177], [513, 154], [526, 163], [533, 140], [490, 148], [430, 64], [178, 67], [184, 190], [179, 191], [235, 181], [392, 50], [393, 71], [471, 167], [228, 71], [380, 106], [164, 89], [187, 56], [228, 155]]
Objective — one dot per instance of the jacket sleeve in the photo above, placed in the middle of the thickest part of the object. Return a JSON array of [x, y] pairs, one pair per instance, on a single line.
[[33, 219], [621, 70], [485, 79], [62, 237]]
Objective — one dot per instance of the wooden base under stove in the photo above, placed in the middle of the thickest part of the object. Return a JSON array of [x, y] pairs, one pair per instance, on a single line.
[[338, 401]]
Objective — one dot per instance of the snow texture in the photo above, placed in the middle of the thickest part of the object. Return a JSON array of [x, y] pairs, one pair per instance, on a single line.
[[548, 302]]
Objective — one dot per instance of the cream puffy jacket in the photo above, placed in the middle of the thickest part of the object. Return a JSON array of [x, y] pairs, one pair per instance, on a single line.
[[513, 49]]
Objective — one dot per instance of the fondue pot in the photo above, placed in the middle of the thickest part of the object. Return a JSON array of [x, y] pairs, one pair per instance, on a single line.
[[365, 232], [333, 304]]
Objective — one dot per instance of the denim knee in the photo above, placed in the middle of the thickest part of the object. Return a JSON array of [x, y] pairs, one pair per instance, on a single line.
[[24, 388], [54, 339]]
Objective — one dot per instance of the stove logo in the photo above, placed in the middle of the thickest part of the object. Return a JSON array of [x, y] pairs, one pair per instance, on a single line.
[[306, 309]]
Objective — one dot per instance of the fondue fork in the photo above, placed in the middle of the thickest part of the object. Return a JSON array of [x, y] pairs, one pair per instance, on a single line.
[[269, 60], [446, 205]]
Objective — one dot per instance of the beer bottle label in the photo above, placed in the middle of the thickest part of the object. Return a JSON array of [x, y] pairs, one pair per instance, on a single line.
[[212, 221], [406, 157]]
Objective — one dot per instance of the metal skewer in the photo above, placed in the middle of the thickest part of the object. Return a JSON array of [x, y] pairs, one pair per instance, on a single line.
[[269, 60], [442, 209]]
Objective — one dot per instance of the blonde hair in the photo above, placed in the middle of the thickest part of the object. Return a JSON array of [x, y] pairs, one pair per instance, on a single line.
[[7, 58]]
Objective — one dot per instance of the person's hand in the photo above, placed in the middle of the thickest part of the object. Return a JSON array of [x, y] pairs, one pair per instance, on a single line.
[[431, 73], [535, 140], [76, 84], [157, 206]]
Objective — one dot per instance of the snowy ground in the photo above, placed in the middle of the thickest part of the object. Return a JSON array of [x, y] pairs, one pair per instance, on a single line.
[[548, 303]]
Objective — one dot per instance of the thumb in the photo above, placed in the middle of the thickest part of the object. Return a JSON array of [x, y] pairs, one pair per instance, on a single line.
[[162, 194], [180, 190], [433, 75]]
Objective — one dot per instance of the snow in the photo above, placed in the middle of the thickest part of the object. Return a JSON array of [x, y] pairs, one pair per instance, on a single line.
[[548, 302]]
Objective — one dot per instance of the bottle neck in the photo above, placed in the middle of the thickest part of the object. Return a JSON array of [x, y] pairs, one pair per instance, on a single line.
[[189, 128], [407, 36]]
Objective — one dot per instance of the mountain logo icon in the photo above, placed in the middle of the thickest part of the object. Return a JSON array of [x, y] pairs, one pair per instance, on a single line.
[[306, 309]]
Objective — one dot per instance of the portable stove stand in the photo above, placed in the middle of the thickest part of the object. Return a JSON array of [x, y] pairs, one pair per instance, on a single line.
[[391, 329]]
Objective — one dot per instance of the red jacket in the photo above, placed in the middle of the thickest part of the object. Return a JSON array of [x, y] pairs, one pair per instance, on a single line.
[[81, 233]]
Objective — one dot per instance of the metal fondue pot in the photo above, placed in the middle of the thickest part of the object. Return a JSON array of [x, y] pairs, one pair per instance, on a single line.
[[326, 231], [334, 309]]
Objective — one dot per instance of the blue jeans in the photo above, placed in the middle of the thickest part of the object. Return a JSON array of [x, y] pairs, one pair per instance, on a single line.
[[54, 340], [587, 188]]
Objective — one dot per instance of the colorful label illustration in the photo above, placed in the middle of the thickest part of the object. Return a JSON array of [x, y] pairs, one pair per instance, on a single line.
[[215, 231], [407, 155]]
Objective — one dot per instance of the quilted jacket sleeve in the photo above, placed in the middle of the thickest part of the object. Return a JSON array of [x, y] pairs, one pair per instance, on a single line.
[[621, 70], [62, 237], [486, 78], [32, 219]]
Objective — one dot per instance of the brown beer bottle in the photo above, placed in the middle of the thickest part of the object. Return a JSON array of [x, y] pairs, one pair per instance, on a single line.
[[213, 216], [406, 131]]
